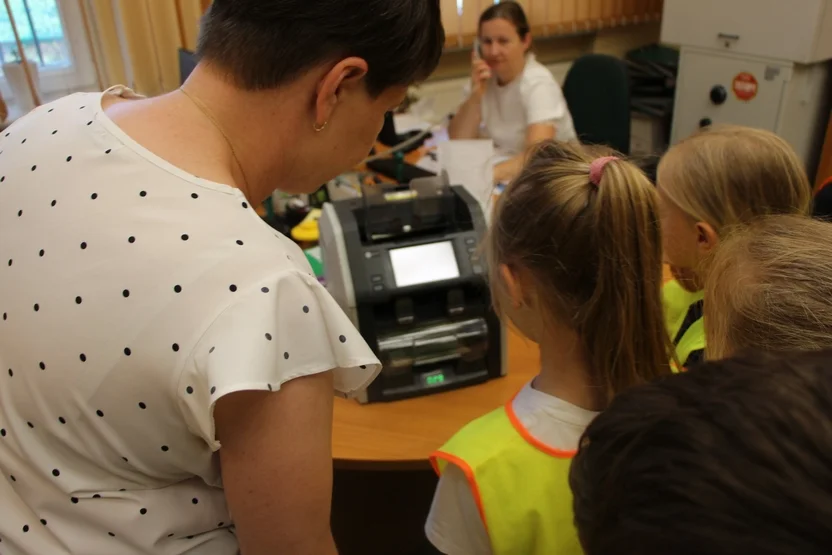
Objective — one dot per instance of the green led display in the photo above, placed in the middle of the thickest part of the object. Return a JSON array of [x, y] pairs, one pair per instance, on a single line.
[[435, 379]]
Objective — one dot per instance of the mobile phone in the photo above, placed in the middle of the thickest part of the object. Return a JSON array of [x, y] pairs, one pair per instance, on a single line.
[[477, 49]]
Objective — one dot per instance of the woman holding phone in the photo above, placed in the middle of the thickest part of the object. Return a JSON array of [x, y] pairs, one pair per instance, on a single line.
[[513, 98]]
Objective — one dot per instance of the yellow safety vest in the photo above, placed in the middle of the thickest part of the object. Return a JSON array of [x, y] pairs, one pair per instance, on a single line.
[[684, 321], [520, 485]]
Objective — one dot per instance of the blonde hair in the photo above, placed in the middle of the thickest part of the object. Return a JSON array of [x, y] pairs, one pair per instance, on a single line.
[[728, 175], [769, 288], [594, 252]]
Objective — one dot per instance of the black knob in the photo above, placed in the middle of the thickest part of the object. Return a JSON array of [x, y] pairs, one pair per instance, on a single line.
[[719, 95], [705, 122]]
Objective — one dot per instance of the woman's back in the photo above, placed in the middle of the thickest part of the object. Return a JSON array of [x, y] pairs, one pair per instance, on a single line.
[[133, 296]]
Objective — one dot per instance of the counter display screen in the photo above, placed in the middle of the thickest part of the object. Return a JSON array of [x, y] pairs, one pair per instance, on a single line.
[[424, 264]]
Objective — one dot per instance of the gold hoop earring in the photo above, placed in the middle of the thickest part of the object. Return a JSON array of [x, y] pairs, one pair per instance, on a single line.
[[319, 128]]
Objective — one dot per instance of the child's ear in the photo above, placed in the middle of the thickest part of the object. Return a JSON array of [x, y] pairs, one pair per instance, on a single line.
[[706, 238], [513, 286]]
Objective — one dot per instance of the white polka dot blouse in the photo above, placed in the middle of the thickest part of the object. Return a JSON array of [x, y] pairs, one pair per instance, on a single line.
[[133, 295]]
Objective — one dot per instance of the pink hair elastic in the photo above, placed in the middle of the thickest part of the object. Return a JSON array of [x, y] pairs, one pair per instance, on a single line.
[[596, 169]]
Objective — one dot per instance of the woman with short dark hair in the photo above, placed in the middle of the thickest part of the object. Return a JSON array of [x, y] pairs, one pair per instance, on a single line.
[[168, 359]]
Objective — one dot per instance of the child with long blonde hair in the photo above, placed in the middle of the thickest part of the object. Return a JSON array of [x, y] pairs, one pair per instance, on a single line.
[[709, 184], [769, 288], [575, 265]]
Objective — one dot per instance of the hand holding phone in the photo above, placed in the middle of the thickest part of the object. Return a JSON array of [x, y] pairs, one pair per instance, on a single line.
[[480, 72]]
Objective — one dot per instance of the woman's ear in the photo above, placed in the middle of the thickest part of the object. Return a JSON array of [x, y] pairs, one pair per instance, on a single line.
[[706, 238], [527, 42], [346, 74]]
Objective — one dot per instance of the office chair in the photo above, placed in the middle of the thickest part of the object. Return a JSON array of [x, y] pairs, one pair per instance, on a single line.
[[822, 202], [597, 91]]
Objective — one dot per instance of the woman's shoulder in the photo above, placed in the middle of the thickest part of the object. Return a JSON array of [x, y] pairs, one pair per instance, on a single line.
[[535, 72]]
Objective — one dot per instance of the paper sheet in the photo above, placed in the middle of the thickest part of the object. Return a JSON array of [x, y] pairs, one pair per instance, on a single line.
[[471, 164]]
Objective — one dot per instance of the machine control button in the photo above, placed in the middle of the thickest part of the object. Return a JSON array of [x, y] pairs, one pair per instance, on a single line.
[[470, 241], [370, 254], [705, 122], [719, 95], [477, 269], [378, 287], [376, 278]]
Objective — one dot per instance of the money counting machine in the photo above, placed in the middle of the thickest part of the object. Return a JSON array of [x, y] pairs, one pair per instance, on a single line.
[[405, 265]]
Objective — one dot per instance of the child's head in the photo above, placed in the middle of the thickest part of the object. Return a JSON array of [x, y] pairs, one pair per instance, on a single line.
[[769, 287], [720, 178], [575, 254], [734, 456]]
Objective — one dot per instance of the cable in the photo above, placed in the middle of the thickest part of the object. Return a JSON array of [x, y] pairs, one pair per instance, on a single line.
[[403, 145]]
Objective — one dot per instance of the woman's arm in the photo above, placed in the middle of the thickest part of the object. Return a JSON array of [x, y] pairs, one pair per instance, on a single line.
[[466, 122], [535, 133], [276, 459]]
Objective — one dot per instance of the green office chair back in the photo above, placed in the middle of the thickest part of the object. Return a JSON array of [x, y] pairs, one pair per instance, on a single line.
[[597, 91]]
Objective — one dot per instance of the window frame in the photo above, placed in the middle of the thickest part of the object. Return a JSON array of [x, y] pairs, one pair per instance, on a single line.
[[79, 75]]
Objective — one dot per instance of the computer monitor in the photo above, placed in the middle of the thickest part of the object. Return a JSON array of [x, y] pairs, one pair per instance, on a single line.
[[187, 63]]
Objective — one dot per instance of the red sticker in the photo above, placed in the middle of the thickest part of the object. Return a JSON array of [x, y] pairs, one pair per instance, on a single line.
[[745, 86]]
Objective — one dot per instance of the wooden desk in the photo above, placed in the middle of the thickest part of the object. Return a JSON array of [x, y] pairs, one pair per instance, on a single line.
[[401, 435]]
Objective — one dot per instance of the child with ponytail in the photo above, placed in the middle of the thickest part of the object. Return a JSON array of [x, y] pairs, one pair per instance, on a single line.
[[575, 265]]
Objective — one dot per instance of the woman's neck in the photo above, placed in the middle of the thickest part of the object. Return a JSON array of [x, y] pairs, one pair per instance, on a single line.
[[565, 371]]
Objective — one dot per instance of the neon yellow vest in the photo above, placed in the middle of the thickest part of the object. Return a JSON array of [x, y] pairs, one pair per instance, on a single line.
[[520, 485], [677, 303]]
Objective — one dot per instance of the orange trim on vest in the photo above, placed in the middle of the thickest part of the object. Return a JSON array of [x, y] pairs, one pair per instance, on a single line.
[[530, 439], [469, 475]]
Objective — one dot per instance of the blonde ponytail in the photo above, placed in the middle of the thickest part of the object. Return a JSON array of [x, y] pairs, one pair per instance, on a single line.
[[595, 252]]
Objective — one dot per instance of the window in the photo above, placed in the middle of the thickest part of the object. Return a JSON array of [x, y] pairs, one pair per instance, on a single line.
[[53, 37], [41, 32]]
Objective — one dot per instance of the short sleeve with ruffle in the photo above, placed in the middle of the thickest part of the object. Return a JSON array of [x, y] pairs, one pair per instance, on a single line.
[[282, 329]]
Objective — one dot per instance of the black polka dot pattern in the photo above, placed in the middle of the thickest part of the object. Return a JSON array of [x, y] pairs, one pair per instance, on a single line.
[[148, 283]]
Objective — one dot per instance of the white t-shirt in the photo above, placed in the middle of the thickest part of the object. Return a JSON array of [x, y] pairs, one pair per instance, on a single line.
[[454, 525], [133, 296], [534, 97]]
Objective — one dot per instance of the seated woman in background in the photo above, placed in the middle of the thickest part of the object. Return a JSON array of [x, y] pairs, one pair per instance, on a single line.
[[514, 99], [732, 457], [769, 287], [575, 265], [708, 184]]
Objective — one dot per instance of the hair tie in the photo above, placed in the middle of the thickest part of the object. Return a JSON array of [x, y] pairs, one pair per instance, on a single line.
[[596, 168]]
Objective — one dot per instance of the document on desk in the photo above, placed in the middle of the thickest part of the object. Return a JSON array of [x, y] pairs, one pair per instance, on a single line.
[[471, 164]]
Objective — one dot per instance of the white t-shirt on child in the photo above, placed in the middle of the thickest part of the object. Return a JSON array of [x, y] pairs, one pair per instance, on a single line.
[[534, 97], [454, 525]]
